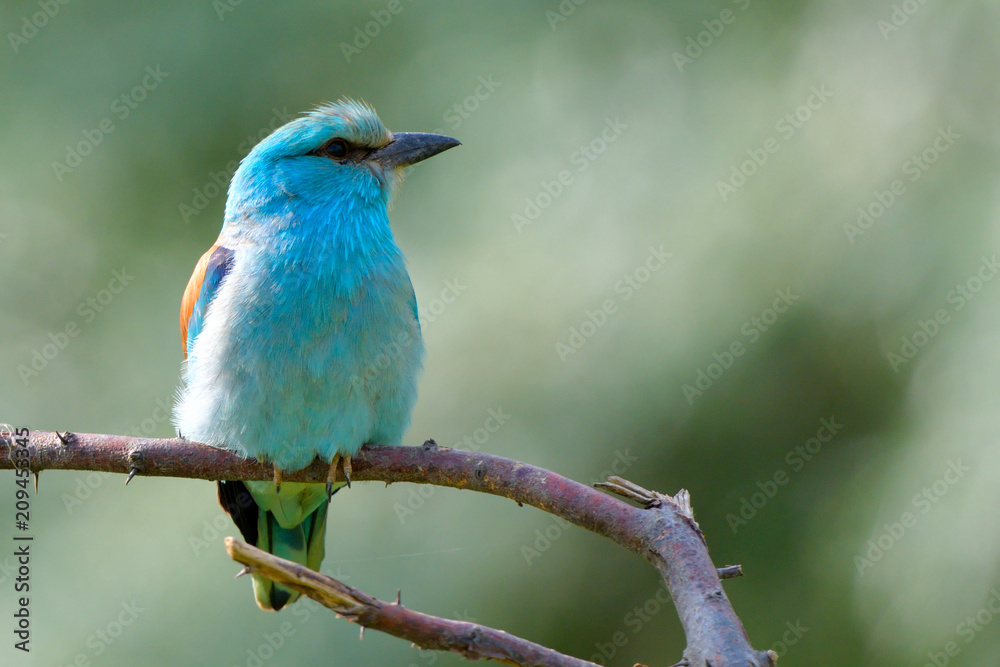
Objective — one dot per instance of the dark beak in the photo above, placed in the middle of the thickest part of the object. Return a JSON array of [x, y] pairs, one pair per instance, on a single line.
[[408, 148]]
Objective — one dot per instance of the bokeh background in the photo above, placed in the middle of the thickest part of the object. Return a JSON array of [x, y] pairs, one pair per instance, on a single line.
[[648, 108]]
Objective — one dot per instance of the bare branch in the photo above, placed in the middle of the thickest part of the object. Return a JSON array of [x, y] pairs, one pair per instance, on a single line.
[[663, 531], [473, 641]]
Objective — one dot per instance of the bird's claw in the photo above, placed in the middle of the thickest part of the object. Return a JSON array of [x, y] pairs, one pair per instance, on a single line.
[[277, 480], [331, 476]]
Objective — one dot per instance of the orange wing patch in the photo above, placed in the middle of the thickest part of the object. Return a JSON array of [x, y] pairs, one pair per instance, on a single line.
[[191, 294]]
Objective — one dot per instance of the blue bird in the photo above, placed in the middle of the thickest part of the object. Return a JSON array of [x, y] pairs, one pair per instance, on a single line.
[[299, 325]]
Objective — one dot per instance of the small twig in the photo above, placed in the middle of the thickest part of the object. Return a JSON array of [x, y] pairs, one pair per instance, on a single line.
[[473, 641], [632, 491]]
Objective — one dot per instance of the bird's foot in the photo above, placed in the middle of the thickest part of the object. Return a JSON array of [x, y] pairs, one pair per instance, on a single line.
[[331, 476], [277, 480]]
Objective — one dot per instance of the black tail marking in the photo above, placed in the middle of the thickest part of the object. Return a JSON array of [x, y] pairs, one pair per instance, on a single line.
[[235, 498]]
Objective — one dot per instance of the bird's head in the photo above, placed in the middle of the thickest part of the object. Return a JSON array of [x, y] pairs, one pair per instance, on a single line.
[[338, 157]]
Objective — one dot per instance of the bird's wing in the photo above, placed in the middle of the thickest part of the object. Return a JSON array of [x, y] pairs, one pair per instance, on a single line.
[[201, 289]]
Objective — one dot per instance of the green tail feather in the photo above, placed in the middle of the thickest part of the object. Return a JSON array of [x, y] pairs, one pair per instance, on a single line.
[[302, 544], [291, 525]]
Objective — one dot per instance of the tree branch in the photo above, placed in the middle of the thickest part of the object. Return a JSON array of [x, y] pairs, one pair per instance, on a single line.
[[474, 642], [663, 531]]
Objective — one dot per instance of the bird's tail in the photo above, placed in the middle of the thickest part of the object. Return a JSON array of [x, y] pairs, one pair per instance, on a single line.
[[302, 544], [290, 524]]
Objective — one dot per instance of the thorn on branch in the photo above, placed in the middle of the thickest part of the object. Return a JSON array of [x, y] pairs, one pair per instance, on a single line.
[[64, 438], [245, 570], [430, 444], [35, 474], [136, 459], [730, 571]]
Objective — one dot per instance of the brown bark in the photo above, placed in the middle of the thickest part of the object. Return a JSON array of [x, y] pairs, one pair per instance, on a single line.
[[663, 530]]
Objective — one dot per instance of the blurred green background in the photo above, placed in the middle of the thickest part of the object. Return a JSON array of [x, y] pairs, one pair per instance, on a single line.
[[739, 137]]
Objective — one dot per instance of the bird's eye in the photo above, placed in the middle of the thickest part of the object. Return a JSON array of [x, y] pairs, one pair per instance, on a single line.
[[337, 149]]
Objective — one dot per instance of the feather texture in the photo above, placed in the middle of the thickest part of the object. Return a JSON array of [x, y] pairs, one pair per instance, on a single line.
[[300, 324]]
